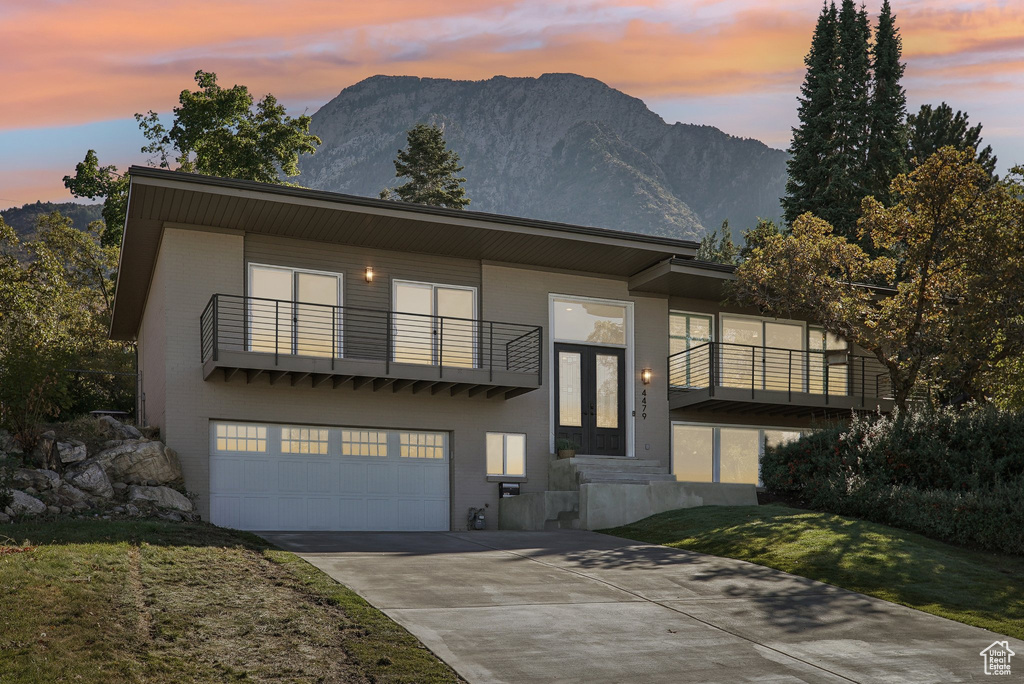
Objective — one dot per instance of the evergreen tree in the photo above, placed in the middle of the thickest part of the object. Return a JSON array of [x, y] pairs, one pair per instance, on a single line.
[[932, 129], [430, 167], [888, 136], [842, 199], [812, 163], [719, 249]]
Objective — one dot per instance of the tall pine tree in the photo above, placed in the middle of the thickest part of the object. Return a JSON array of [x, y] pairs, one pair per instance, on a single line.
[[888, 140], [431, 169], [849, 177], [812, 161]]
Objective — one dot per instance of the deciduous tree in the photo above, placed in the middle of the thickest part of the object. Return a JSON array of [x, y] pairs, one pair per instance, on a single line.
[[948, 295]]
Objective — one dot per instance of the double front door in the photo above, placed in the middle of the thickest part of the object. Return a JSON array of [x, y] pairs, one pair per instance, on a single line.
[[590, 402]]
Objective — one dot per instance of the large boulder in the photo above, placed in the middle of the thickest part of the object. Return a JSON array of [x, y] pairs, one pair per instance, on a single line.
[[115, 429], [162, 497], [69, 495], [38, 479], [90, 477], [71, 451], [24, 504], [138, 462]]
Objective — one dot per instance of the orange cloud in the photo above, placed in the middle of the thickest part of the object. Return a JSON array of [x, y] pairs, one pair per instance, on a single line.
[[73, 62]]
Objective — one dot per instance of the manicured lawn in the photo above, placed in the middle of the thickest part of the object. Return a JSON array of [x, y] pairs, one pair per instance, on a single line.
[[107, 601], [974, 587]]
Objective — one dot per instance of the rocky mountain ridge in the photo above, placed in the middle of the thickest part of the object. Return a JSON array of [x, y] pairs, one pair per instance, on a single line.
[[559, 147]]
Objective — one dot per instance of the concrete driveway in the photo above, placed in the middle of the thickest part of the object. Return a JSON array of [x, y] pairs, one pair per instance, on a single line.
[[569, 606]]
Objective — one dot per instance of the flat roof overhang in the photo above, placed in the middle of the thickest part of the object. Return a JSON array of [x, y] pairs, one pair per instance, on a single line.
[[159, 198], [684, 278]]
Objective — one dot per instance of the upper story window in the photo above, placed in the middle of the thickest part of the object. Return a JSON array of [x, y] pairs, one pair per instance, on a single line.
[[686, 331], [434, 324], [294, 311], [589, 322]]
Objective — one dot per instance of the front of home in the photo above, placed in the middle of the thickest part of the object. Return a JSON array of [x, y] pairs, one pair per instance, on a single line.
[[321, 361]]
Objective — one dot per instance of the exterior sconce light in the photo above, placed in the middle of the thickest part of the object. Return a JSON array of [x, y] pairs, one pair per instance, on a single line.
[[369, 274], [645, 376]]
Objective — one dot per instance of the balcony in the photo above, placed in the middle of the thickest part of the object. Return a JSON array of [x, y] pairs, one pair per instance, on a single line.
[[319, 344], [752, 380]]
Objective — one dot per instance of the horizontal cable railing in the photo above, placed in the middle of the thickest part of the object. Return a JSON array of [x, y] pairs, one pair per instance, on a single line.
[[285, 328], [740, 366]]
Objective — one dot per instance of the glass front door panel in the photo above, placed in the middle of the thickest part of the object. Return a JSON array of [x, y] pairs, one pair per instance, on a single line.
[[738, 455], [413, 323], [270, 309], [457, 329], [570, 390], [607, 405], [693, 453], [316, 315]]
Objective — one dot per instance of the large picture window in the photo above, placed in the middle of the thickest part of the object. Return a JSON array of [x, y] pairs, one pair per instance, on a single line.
[[723, 453], [763, 354]]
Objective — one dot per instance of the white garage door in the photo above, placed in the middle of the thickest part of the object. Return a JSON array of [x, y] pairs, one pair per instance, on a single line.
[[294, 477]]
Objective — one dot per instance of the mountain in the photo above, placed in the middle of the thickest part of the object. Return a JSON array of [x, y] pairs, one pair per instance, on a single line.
[[23, 218], [560, 147]]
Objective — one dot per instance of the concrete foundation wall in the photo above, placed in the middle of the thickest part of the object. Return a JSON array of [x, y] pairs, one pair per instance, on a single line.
[[531, 511], [610, 505]]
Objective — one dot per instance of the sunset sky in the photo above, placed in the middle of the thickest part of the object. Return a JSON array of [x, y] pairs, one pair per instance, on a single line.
[[74, 71]]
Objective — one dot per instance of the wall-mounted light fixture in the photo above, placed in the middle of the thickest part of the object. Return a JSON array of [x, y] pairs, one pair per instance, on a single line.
[[645, 376], [369, 274]]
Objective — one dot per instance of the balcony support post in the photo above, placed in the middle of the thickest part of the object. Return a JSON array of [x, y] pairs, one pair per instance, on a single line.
[[216, 315], [490, 352], [440, 349], [277, 328], [712, 350]]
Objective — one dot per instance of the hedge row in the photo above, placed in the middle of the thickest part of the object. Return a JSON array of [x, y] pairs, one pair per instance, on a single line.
[[952, 475]]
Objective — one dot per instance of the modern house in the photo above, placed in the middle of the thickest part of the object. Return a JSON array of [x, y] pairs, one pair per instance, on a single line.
[[323, 361]]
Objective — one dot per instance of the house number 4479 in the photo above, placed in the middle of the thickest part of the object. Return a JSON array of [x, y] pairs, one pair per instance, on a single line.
[[643, 404]]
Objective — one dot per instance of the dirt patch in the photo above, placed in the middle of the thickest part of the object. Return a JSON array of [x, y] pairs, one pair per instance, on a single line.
[[234, 613]]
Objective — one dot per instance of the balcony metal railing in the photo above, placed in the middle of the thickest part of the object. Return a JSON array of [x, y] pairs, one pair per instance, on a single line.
[[284, 328], [827, 373]]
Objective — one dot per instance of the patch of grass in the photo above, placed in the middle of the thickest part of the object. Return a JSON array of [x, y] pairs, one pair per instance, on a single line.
[[147, 601], [973, 587]]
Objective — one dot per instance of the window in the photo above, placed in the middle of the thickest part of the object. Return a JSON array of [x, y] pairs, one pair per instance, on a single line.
[[506, 454], [434, 324], [723, 453], [421, 444], [829, 352], [589, 322], [296, 440], [686, 331], [293, 311], [762, 354], [241, 437], [364, 443]]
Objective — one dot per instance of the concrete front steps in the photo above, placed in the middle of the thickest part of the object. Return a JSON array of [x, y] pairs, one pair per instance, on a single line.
[[595, 492], [570, 473]]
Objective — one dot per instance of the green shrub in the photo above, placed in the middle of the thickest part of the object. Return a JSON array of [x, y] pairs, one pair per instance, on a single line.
[[955, 475]]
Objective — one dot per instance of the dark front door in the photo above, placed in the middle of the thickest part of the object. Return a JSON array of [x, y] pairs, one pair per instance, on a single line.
[[590, 401]]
